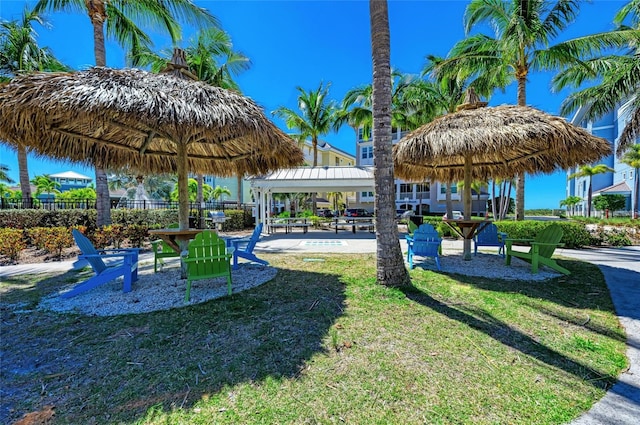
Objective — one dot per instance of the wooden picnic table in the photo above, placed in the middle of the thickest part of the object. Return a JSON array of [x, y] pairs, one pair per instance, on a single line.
[[467, 229], [176, 238]]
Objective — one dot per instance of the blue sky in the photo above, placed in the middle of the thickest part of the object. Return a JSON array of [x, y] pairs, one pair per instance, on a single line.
[[302, 43]]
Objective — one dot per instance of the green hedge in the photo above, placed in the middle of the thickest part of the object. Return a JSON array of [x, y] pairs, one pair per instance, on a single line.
[[27, 219], [575, 234]]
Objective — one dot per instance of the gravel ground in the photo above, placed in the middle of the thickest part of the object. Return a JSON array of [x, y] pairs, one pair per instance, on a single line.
[[486, 265], [156, 291]]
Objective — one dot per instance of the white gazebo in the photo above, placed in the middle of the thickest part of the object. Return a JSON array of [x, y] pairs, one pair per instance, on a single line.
[[310, 180]]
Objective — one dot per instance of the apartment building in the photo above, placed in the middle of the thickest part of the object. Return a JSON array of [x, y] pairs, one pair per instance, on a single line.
[[621, 181], [427, 197]]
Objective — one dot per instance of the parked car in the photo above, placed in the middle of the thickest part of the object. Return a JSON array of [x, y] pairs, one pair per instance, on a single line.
[[357, 212], [403, 214], [325, 213], [457, 215]]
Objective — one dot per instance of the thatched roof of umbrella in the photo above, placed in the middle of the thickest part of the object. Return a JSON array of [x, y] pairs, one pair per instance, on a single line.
[[132, 118], [503, 141]]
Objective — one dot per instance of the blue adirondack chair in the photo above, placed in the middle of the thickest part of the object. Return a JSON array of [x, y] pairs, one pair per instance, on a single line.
[[490, 236], [162, 250], [243, 248], [425, 242], [207, 258], [127, 267]]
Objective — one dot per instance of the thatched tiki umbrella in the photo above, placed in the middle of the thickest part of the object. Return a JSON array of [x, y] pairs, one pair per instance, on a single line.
[[486, 143], [151, 123]]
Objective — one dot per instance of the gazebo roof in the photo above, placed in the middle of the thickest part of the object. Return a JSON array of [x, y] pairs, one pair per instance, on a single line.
[[316, 179]]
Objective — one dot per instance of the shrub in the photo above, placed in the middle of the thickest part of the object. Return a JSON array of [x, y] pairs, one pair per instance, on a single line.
[[575, 234], [137, 233], [12, 243], [57, 239]]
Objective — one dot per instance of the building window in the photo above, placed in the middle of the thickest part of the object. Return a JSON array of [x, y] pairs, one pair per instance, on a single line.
[[454, 188], [337, 161], [367, 194], [367, 152], [624, 176], [406, 188]]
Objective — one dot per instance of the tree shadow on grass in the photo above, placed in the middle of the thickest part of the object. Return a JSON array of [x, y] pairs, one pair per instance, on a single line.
[[505, 334], [583, 289], [113, 369]]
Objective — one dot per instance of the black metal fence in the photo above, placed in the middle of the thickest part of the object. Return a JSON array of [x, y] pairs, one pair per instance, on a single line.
[[52, 204]]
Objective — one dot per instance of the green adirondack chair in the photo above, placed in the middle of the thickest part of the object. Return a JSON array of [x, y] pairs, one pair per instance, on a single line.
[[542, 248], [162, 250], [411, 227], [207, 258]]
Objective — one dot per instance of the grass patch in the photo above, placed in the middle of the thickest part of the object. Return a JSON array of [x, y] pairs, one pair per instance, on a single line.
[[322, 343]]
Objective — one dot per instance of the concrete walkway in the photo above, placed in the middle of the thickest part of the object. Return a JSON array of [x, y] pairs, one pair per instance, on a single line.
[[620, 266], [621, 269]]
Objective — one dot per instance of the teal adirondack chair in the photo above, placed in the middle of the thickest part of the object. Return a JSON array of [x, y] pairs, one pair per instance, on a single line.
[[127, 267], [490, 236], [243, 248], [162, 250], [207, 258], [425, 242], [542, 248]]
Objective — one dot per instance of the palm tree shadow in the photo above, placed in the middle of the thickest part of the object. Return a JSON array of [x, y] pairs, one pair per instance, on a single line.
[[269, 331], [511, 337]]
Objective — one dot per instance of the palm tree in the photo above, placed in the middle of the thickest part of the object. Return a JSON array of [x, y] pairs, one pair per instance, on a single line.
[[335, 198], [212, 59], [632, 159], [523, 32], [44, 184], [590, 171], [218, 191], [20, 53], [571, 202], [315, 119], [390, 268], [617, 76], [4, 177], [119, 18]]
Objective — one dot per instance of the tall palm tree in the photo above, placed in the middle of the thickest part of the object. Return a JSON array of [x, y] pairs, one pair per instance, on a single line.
[[315, 118], [590, 171], [20, 53], [356, 106], [390, 268], [523, 32], [617, 77], [119, 17], [632, 159]]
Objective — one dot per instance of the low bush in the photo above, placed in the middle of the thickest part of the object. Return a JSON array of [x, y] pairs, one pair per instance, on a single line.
[[12, 243], [575, 234]]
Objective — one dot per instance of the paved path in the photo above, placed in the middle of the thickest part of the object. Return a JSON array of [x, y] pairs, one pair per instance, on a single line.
[[621, 269], [620, 266]]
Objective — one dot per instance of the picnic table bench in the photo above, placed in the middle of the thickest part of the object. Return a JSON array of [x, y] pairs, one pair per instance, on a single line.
[[354, 223], [288, 224]]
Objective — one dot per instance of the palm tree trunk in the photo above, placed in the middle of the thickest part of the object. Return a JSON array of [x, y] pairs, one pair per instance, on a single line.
[[25, 185], [390, 268], [589, 195], [314, 198], [239, 192], [97, 15], [521, 75], [637, 190], [448, 201], [493, 199]]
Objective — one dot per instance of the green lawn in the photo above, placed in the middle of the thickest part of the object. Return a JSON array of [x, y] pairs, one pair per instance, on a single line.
[[322, 343]]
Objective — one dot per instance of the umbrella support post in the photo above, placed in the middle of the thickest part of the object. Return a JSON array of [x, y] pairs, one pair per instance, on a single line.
[[466, 253]]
